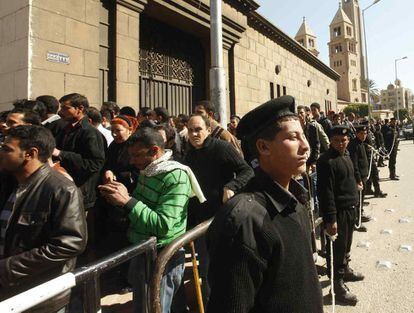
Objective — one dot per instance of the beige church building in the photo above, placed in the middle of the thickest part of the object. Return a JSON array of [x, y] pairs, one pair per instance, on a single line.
[[157, 53], [346, 53]]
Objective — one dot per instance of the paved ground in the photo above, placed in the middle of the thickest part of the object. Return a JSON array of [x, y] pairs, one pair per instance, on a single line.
[[383, 290], [386, 290]]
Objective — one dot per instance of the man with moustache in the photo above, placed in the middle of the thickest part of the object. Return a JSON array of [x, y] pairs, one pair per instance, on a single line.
[[42, 220], [260, 241], [221, 172]]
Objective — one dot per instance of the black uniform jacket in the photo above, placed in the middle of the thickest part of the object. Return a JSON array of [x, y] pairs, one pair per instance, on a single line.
[[390, 135], [46, 231], [336, 184], [260, 250], [359, 159], [311, 134], [83, 156]]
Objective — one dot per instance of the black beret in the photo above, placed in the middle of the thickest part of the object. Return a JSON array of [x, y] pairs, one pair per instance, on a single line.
[[341, 130], [264, 115], [360, 128]]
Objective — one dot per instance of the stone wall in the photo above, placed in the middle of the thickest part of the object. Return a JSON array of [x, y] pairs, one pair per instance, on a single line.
[[70, 27], [256, 57], [14, 30]]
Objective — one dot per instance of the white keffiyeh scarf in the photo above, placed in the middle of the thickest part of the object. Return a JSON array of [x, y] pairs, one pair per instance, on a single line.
[[164, 164]]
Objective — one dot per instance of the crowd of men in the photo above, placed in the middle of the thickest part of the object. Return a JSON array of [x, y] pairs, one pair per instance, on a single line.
[[76, 180]]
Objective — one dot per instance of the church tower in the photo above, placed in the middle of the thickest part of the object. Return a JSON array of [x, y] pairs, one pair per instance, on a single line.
[[344, 57], [353, 11], [307, 38]]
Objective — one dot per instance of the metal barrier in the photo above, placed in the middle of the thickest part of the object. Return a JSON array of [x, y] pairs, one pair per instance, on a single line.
[[89, 275], [165, 255]]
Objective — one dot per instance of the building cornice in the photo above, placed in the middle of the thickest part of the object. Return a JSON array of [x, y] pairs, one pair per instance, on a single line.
[[135, 5], [271, 31], [245, 6]]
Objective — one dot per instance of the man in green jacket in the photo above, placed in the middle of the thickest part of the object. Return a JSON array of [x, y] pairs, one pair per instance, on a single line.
[[157, 207]]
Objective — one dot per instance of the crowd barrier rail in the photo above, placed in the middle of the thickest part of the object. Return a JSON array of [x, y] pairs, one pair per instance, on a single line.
[[87, 275], [165, 255]]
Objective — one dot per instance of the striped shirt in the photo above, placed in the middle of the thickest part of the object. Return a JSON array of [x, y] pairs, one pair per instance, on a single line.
[[4, 220], [159, 207]]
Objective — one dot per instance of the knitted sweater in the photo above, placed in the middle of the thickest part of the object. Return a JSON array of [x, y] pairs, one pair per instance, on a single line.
[[158, 207], [260, 252], [336, 184]]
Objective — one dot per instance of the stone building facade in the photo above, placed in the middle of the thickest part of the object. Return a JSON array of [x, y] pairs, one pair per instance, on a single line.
[[152, 53], [396, 95]]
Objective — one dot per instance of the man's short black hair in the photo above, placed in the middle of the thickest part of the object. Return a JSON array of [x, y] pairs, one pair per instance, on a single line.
[[183, 118], [111, 106], [106, 114], [300, 107], [51, 103], [34, 136], [94, 115], [34, 106], [3, 115], [29, 117], [207, 105], [316, 105], [169, 131], [163, 112], [127, 111], [76, 100], [146, 137]]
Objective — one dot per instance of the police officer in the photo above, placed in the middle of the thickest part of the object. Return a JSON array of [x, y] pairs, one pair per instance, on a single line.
[[373, 179], [360, 161], [260, 241], [391, 144], [338, 198]]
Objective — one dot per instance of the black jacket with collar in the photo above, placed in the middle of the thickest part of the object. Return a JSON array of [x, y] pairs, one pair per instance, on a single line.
[[336, 184], [83, 156], [216, 165], [311, 134], [45, 234], [359, 159], [260, 252]]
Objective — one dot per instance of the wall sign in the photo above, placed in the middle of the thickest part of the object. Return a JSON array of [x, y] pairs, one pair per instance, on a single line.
[[58, 57]]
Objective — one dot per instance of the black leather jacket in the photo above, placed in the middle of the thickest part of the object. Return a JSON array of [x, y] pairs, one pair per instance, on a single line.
[[45, 234]]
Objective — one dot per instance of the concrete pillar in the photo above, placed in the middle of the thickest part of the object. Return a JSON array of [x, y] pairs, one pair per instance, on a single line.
[[127, 51]]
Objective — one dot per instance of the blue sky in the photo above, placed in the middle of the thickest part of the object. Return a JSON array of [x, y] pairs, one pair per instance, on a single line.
[[390, 32]]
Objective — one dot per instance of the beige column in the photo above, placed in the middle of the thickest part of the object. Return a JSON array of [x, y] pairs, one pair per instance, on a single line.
[[64, 48], [127, 51], [14, 32]]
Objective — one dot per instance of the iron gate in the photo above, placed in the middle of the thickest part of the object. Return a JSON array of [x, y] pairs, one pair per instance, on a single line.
[[172, 70]]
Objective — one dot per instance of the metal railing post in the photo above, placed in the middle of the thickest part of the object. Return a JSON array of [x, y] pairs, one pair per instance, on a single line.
[[92, 295], [166, 254]]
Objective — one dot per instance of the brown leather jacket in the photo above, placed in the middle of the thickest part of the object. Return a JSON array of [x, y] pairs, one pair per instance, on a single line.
[[45, 234], [220, 133]]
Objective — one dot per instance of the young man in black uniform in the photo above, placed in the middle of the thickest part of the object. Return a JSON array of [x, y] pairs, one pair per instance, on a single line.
[[373, 179], [260, 241], [360, 161], [391, 144], [338, 198]]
